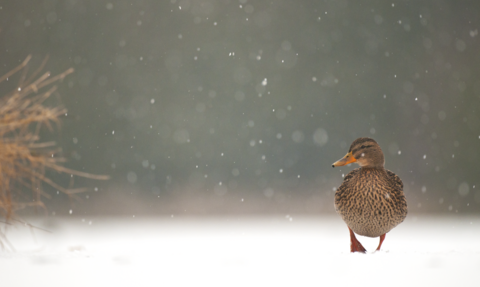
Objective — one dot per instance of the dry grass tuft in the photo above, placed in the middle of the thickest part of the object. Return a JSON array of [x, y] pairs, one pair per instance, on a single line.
[[23, 157]]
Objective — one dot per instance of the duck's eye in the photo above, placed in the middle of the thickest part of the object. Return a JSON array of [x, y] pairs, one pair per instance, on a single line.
[[362, 146]]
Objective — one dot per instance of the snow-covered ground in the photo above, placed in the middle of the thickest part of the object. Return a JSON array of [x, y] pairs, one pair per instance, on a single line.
[[252, 251]]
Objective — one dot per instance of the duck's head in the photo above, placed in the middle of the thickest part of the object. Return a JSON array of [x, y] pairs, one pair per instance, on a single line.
[[364, 151]]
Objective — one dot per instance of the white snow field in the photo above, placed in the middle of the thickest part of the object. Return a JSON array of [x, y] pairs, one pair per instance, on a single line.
[[239, 251]]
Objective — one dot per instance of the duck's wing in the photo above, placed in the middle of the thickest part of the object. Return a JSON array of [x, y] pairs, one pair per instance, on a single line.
[[395, 179]]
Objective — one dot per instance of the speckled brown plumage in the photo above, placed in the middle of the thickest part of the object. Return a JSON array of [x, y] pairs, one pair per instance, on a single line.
[[370, 199]]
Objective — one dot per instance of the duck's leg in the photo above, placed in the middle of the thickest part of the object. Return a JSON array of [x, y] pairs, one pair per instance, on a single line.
[[355, 245], [382, 237]]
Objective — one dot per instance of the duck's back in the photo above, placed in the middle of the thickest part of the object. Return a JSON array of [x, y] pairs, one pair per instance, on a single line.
[[371, 201]]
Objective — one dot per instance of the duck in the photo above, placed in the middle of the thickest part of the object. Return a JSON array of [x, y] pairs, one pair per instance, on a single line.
[[370, 199]]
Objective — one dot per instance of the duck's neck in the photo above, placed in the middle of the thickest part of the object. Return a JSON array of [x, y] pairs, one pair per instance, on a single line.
[[378, 165], [367, 169]]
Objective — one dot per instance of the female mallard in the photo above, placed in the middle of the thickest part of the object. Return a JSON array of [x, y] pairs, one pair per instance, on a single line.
[[370, 199]]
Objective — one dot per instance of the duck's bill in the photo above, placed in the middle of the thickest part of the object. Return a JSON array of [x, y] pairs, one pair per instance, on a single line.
[[347, 159]]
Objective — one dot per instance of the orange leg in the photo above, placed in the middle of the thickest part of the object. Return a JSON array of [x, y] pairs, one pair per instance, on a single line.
[[382, 237], [356, 246]]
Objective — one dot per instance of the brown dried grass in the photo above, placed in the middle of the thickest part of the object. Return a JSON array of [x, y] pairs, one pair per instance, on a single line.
[[24, 159]]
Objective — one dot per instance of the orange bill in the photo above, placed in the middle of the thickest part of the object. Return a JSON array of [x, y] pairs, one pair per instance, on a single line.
[[347, 159]]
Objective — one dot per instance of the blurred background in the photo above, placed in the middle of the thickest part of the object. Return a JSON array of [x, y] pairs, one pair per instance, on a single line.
[[239, 107]]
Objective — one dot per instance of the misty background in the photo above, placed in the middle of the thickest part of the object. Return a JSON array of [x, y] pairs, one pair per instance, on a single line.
[[210, 107]]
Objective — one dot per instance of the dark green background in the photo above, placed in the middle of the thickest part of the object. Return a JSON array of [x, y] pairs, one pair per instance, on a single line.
[[170, 99]]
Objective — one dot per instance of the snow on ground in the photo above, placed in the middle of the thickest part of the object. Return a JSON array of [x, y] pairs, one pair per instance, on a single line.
[[251, 251]]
